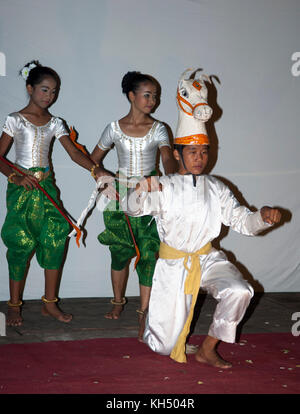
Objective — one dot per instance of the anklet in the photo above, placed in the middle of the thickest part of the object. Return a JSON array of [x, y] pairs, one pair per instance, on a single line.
[[49, 301], [13, 305], [141, 312], [123, 302]]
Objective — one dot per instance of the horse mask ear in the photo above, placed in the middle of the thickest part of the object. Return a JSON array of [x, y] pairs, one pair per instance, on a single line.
[[203, 78], [184, 77]]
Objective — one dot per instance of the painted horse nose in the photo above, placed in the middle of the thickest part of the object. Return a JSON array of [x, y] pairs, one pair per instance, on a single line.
[[203, 113]]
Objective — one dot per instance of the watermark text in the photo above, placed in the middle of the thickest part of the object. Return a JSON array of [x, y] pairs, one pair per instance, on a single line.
[[295, 69], [296, 325], [141, 194], [2, 64]]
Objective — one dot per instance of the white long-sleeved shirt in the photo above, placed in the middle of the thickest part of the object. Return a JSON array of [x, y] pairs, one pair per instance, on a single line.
[[188, 216]]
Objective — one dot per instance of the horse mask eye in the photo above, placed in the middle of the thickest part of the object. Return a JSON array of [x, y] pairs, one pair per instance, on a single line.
[[184, 92]]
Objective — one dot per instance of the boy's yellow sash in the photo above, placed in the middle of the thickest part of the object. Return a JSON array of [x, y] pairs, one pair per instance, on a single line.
[[191, 287]]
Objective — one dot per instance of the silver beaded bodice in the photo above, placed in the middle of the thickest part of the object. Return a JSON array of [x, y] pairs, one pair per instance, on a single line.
[[136, 155], [32, 142]]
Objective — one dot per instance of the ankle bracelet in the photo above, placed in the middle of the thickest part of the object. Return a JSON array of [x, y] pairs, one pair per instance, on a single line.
[[49, 300], [15, 305], [123, 302]]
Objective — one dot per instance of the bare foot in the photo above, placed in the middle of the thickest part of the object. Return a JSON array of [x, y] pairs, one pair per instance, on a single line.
[[115, 312], [14, 317], [51, 309], [211, 357], [117, 309]]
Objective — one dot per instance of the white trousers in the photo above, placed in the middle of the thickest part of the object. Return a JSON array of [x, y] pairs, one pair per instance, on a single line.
[[169, 306]]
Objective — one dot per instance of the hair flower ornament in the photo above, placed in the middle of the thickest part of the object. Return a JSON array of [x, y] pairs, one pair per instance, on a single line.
[[25, 71]]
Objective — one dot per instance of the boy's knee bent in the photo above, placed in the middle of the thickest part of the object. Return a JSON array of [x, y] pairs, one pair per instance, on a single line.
[[242, 292]]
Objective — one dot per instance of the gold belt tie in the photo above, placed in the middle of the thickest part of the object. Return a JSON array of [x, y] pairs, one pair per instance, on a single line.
[[191, 287], [39, 175]]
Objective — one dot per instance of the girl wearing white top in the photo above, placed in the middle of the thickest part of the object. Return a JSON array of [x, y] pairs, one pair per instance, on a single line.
[[32, 223], [137, 137]]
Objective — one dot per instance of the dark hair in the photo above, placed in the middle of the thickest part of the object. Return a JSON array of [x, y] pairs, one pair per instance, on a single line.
[[38, 73], [132, 81], [178, 147]]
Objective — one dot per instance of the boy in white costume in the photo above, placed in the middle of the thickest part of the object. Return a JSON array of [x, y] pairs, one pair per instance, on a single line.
[[189, 210]]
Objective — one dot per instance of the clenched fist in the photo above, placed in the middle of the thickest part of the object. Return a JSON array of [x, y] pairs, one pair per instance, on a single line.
[[270, 215]]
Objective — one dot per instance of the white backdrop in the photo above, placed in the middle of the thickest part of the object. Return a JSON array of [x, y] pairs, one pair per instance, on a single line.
[[248, 45]]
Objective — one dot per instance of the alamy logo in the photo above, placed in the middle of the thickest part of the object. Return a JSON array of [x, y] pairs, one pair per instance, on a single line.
[[295, 69], [296, 326], [132, 201], [2, 64], [2, 324]]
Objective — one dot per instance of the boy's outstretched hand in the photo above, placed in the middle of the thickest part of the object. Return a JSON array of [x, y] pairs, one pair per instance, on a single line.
[[270, 215]]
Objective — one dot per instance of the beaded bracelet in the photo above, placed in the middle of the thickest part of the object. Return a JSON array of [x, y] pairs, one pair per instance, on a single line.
[[93, 169], [9, 178]]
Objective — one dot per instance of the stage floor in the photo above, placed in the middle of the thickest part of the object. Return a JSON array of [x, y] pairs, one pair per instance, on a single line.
[[268, 312]]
